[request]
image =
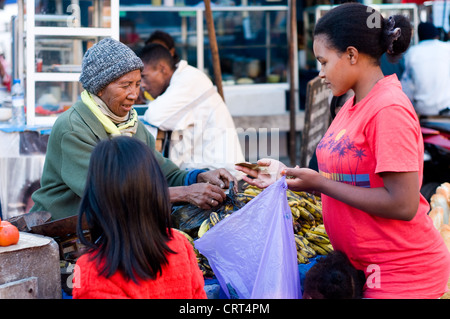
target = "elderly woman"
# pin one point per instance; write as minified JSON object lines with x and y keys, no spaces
{"x":111,"y":77}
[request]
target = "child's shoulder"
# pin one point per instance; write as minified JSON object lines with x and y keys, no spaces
{"x":180,"y":238}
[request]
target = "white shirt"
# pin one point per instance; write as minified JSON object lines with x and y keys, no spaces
{"x":203,"y":131}
{"x":426,"y":80}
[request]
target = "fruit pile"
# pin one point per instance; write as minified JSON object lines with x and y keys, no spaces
{"x":310,"y":236}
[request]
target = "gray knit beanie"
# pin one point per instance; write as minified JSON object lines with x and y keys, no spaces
{"x":105,"y":62}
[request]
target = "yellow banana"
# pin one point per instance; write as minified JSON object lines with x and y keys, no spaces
{"x":303,"y":247}
{"x":295,"y":212}
{"x":327,"y":247}
{"x":318,"y":249}
{"x":305,"y":225}
{"x":311,"y":237}
{"x":305,"y":195}
{"x":252,"y":190}
{"x":229,"y":208}
{"x":214,"y":218}
{"x":318,"y":231}
{"x":318,"y":200}
{"x":305,"y":214}
{"x":296,"y":226}
{"x":298,"y":246}
{"x":293,"y":202}
{"x":204,"y":227}
{"x":244,"y":197}
{"x":302,"y":259}
{"x":304,"y":241}
{"x":307,"y":252}
{"x":299,"y":241}
{"x":313,"y":209}
{"x":292,"y":195}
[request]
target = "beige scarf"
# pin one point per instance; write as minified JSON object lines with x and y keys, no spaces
{"x":113,"y":124}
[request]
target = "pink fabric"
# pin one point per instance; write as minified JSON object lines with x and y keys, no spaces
{"x":402,"y":259}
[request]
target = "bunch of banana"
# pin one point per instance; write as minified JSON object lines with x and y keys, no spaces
{"x":252,"y":190}
{"x":306,"y":206}
{"x":313,"y":242}
{"x":304,"y":226}
{"x":304,"y":251}
{"x":204,"y":227}
{"x":311,"y":197}
{"x":314,"y":209}
{"x":319,"y":230}
{"x":215,"y":217}
{"x":318,"y":240}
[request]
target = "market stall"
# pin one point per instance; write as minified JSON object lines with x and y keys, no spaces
{"x":53,"y":86}
{"x":22,"y":157}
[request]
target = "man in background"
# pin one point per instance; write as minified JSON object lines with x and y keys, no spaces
{"x":187,"y":103}
{"x":426,"y":79}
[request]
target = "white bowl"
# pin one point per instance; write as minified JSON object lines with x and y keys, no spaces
{"x":5,"y":113}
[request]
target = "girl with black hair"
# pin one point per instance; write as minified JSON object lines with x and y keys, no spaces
{"x":133,"y":253}
{"x":333,"y":277}
{"x":371,"y":160}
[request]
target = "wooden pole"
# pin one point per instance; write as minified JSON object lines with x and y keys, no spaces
{"x":292,"y":81}
{"x":214,"y":48}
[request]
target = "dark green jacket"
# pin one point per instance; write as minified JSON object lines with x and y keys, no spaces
{"x":73,"y":137}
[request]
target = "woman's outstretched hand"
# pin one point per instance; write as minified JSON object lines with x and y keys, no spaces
{"x":266,"y":174}
{"x":302,"y":179}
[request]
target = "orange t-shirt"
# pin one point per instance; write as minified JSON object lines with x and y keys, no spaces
{"x":381,"y":133}
{"x":181,"y":278}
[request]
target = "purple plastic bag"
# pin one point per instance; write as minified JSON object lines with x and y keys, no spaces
{"x":252,"y":252}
